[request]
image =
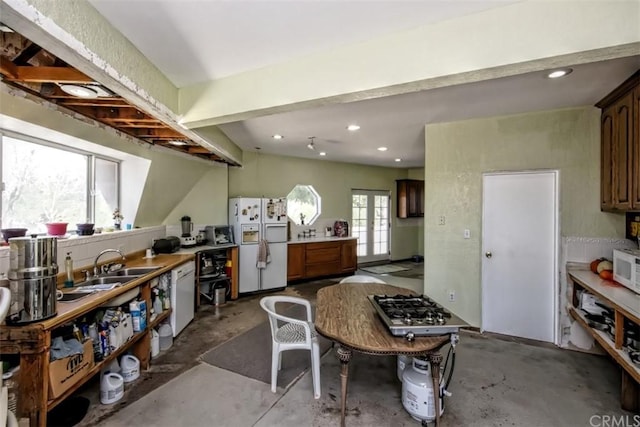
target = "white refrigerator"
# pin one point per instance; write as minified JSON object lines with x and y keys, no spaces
{"x":255,"y":219}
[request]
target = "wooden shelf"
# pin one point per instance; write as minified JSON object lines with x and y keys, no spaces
{"x":607,"y":344}
{"x":162,"y":316}
{"x":98,"y":366}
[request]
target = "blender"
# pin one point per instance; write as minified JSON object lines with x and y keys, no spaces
{"x":186,"y":240}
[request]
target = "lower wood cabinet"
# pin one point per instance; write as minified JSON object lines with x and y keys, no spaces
{"x":295,"y":262}
{"x":317,"y":259}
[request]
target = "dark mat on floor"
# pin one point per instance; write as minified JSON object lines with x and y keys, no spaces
{"x":249,"y":354}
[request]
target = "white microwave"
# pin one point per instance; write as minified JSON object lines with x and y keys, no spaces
{"x":626,"y":268}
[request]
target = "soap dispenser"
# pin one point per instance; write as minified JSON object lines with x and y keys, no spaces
{"x":68,"y":265}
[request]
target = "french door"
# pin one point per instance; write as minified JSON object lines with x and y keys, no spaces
{"x":370,"y":224}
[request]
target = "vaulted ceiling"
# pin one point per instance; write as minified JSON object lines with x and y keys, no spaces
{"x":25,"y":65}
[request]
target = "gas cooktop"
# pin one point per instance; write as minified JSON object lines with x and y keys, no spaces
{"x":415,"y":315}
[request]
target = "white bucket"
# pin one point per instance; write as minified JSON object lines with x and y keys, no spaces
{"x":111,"y":388}
{"x":130,"y":366}
{"x":155,"y":343}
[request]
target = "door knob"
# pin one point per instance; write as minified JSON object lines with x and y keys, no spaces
{"x":488,"y":254}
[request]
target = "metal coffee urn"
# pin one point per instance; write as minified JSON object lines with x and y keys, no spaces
{"x":32,"y":279}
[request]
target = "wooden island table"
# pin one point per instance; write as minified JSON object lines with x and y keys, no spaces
{"x":345,"y":315}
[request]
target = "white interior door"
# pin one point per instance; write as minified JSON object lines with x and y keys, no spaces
{"x":519,"y":254}
{"x":370,"y":224}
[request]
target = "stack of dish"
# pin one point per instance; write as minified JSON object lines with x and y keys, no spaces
{"x":84,"y":229}
{"x":8,"y":233}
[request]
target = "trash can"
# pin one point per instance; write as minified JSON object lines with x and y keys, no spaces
{"x":219,"y":294}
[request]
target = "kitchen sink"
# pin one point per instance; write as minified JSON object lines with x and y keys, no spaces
{"x":106,"y":280}
{"x":132,"y":271}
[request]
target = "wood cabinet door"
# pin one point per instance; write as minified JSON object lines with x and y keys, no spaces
{"x":623,"y":152}
{"x":295,"y":262}
{"x":635,"y":145}
{"x":606,"y":160}
{"x":348,"y":256}
{"x":410,"y":198}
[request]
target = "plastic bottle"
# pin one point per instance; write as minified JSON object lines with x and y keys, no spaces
{"x":68,"y":265}
{"x":228,"y":268}
{"x":134,"y":309}
{"x":157,"y":303}
{"x":142,"y":304}
{"x":77,"y":334}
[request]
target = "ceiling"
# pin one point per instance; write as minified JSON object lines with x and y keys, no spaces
{"x":27,"y":66}
{"x":194,"y":41}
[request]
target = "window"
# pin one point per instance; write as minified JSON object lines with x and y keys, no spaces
{"x":303,"y":205}
{"x":45,"y":182}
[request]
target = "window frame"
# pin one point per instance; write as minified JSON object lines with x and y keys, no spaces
{"x":91,"y":165}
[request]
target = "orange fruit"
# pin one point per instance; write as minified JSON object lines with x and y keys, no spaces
{"x":606,"y":274}
{"x":594,"y":265}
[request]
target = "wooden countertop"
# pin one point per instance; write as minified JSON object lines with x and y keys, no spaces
{"x":70,"y":310}
{"x":295,"y":240}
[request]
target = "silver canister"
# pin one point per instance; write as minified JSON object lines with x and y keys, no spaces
{"x":32,"y":279}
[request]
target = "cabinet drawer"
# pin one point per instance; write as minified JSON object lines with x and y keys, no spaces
{"x":322,"y":254}
{"x":323,"y":269}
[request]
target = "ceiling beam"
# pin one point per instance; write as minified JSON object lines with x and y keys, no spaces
{"x":48,"y":74}
{"x":198,"y":150}
{"x":8,"y":68}
{"x":24,"y":57}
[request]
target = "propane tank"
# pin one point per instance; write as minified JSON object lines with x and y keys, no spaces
{"x":417,"y":391}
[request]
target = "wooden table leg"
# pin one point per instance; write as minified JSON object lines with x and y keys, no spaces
{"x":344,"y":356}
{"x":435,"y":359}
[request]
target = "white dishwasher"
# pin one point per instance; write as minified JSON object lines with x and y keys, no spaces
{"x":183,"y":294}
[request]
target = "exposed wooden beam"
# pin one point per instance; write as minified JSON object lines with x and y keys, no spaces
{"x":7,"y":68}
{"x":49,"y":74}
{"x":106,"y":103}
{"x":24,"y":57}
{"x":198,"y":150}
{"x":156,"y":133}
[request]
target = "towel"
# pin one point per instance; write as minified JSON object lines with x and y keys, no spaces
{"x":264,"y":256}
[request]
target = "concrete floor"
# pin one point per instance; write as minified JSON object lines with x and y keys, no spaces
{"x":497,"y":381}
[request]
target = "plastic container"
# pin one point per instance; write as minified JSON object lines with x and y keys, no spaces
{"x":134,"y":309}
{"x":155,"y":343}
{"x":130,"y":366}
{"x":111,"y":388}
{"x":56,"y":228}
{"x":219,"y":294}
{"x":166,"y":336}
{"x":68,"y":266}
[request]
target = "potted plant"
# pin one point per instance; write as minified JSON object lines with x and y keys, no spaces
{"x":117,"y":219}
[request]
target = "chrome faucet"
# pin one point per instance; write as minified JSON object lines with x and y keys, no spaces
{"x":96,"y":271}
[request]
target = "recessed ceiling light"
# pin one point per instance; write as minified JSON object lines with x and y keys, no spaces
{"x":398,"y":160}
{"x":277,"y":136}
{"x":322,"y":153}
{"x":79,"y":91}
{"x":559,"y":73}
{"x":382,"y":148}
{"x":353,"y":127}
{"x":177,"y":142}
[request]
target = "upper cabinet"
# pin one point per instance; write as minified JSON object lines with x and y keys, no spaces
{"x":410,"y":198}
{"x":620,"y":147}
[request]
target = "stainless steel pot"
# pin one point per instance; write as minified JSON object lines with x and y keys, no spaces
{"x":32,"y":300}
{"x":33,"y":257}
{"x":32,"y":279}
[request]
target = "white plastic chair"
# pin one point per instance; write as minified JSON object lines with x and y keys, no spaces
{"x":288,"y":333}
{"x":362,"y":278}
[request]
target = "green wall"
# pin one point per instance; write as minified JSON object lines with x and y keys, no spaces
{"x":267,"y":175}
{"x":456,"y":156}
